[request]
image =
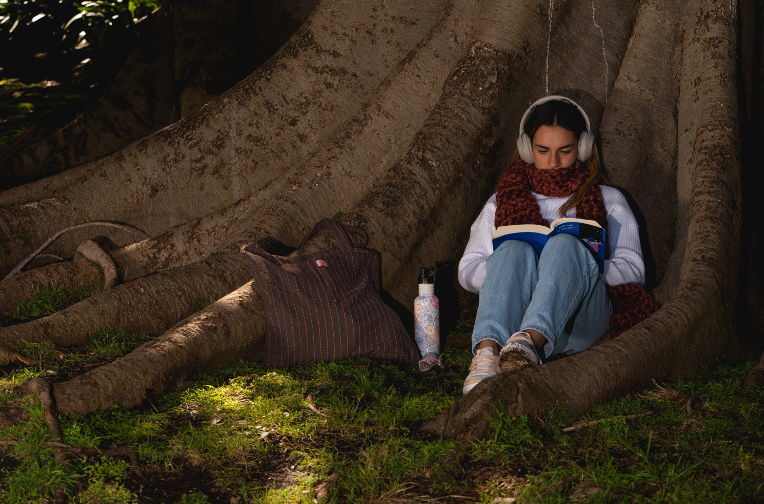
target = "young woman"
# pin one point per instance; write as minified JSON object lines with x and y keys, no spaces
{"x":532,"y":307}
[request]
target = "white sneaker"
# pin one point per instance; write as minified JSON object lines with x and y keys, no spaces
{"x":484,"y":365}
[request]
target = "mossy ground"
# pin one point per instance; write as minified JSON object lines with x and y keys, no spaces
{"x":350,"y":430}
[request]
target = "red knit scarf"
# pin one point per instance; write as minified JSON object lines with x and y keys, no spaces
{"x":516,"y":205}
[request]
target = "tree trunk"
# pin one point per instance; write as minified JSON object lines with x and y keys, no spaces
{"x":398,"y":119}
{"x":697,"y":320}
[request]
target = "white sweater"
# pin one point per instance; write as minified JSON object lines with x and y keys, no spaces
{"x":624,"y":266}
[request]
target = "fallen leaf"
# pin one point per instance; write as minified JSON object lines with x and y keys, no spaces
{"x":584,"y":492}
{"x":323,"y":489}
{"x":312,"y":407}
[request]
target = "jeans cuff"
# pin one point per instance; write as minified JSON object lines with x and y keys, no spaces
{"x":488,"y":337}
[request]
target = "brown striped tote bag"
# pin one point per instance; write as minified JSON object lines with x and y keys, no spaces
{"x":326,"y":305}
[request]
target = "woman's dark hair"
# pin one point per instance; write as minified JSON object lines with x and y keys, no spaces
{"x":555,"y":113}
{"x":566,"y":115}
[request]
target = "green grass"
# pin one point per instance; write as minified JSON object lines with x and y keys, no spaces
{"x":244,"y":421}
{"x":48,"y":300}
{"x":253,"y":434}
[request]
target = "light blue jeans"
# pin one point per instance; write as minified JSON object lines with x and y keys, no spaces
{"x":559,"y":294}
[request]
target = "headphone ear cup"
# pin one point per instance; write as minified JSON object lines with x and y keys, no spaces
{"x":525,"y":148}
{"x":585,"y":146}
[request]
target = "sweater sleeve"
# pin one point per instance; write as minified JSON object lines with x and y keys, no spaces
{"x":626,"y":264}
{"x":480,"y":246}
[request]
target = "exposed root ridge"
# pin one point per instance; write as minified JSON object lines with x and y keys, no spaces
{"x":42,"y":388}
{"x":232,"y":327}
{"x":24,"y":285}
{"x":152,"y":304}
{"x":92,"y":252}
{"x":53,"y":238}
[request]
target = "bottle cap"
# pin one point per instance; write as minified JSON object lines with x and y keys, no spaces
{"x":426,"y":275}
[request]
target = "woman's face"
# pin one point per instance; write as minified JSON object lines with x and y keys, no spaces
{"x":554,"y":147}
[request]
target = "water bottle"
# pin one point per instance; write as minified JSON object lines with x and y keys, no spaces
{"x":427,"y":321}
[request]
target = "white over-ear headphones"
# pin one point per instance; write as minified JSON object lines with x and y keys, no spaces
{"x":585,"y":141}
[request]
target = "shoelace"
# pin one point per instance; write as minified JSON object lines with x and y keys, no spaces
{"x":481,"y":363}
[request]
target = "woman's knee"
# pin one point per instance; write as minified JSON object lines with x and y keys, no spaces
{"x":564,"y":240}
{"x":568,"y":245}
{"x":567,"y":248}
{"x":515,"y":251}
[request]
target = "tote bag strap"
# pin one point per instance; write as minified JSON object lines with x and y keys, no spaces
{"x":256,"y":250}
{"x":338,"y":231}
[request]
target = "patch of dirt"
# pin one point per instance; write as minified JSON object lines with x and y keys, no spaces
{"x":7,"y":463}
{"x":275,"y":471}
{"x":170,"y":487}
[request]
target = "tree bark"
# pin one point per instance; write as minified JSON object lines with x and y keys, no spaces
{"x":398,"y":119}
{"x":696,"y":323}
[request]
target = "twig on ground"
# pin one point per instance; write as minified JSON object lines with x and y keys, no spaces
{"x":323,"y":488}
{"x":312,"y":407}
{"x":21,"y":358}
{"x":595,"y":422}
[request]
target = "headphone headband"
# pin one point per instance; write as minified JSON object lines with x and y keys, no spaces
{"x":585,"y":141}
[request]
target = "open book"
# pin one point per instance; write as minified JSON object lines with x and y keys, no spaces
{"x":588,"y":231}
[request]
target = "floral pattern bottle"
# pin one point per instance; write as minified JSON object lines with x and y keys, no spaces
{"x":427,"y":321}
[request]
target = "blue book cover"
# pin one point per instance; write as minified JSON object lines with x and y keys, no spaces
{"x":588,"y":231}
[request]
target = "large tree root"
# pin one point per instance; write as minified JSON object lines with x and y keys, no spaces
{"x":432,"y":168}
{"x":233,"y":327}
{"x":152,"y":304}
{"x":639,"y":131}
{"x":334,"y":177}
{"x":207,"y":161}
{"x":24,"y":286}
{"x":697,"y":324}
{"x":373,"y":172}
